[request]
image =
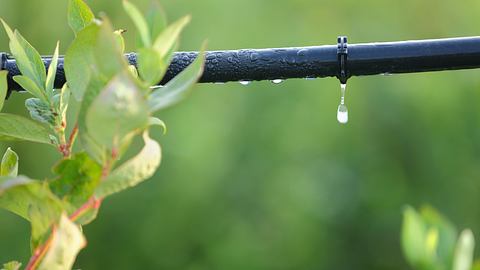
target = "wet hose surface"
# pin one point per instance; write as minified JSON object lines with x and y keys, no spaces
{"x":311,"y":62}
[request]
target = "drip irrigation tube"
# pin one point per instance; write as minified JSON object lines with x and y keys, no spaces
{"x":312,"y":62}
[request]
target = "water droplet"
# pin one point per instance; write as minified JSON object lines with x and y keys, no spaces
{"x":156,"y":87}
{"x":245,"y":82}
{"x":254,"y":57}
{"x":342,"y":112}
{"x":302,"y":52}
{"x":220,"y":83}
{"x":277,"y":81}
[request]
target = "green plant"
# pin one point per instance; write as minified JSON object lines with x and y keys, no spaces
{"x":431,"y":242}
{"x":116,"y":104}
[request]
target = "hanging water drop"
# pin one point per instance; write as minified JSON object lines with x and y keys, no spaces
{"x":342,"y":112}
{"x":245,"y":82}
{"x":277,"y":81}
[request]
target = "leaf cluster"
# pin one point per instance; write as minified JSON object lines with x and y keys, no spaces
{"x":117,"y":102}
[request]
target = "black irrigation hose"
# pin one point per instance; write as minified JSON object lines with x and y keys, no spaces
{"x":313,"y":62}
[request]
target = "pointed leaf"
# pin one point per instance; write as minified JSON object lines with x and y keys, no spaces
{"x":79,"y":15}
{"x":28,"y":59}
{"x":153,"y":121}
{"x":447,"y":234}
{"x":413,"y":235}
{"x":52,"y":71}
{"x":118,"y":110}
{"x":464,"y":251}
{"x":66,"y":243}
{"x":3,"y":87}
{"x":167,"y":39}
{"x":178,"y":88}
{"x":108,"y":56}
{"x":80,"y":60}
{"x":139,"y":21}
{"x":156,"y":19}
{"x":60,"y":101}
{"x":151,"y":66}
{"x":9,"y":166}
{"x":15,"y":127}
{"x":28,"y":85}
{"x":134,"y":171}
{"x":120,"y":39}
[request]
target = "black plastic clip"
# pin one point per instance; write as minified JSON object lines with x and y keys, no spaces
{"x":342,"y":53}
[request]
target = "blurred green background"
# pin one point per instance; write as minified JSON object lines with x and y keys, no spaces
{"x":263,"y":176}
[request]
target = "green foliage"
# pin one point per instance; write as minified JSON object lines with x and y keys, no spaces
{"x":9,"y":165}
{"x":3,"y":87}
{"x":12,"y":266}
{"x":28,"y":59}
{"x":464,"y":251}
{"x":78,"y":177}
{"x":134,"y":171}
{"x":429,"y":241}
{"x":116,"y":105}
{"x":178,"y":88}
{"x":67,"y":240}
{"x":15,"y":127}
{"x":119,"y":109}
{"x":140,"y":22}
{"x":78,"y":59}
{"x":79,"y":15}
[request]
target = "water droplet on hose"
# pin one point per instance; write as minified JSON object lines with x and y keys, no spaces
{"x":277,"y":81}
{"x":245,"y":82}
{"x":342,"y":112}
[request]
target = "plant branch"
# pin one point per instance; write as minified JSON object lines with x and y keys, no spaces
{"x":40,"y":252}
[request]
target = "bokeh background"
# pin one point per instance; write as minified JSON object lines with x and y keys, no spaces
{"x":263,"y":176}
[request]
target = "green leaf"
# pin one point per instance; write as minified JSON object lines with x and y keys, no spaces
{"x":3,"y":87}
{"x":108,"y":56}
{"x":80,"y":60}
{"x":179,"y":87}
{"x":413,"y":235}
{"x":118,"y":110}
{"x":40,"y":111}
{"x":28,"y":85}
{"x":66,"y":243}
{"x":156,"y":19}
{"x":52,"y":71}
{"x":79,"y":15}
{"x":77,"y":179}
{"x":61,"y":101}
{"x":93,"y":148}
{"x":151,"y":66}
{"x":33,"y":201}
{"x":134,"y":171}
{"x":153,"y":121}
{"x":464,"y":251}
{"x":447,"y":235}
{"x":120,"y":39}
{"x":139,"y":21}
{"x":9,"y":166}
{"x":168,"y":38}
{"x":15,"y":127}
{"x":12,"y":266}
{"x":28,"y":59}
{"x":476,"y":265}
